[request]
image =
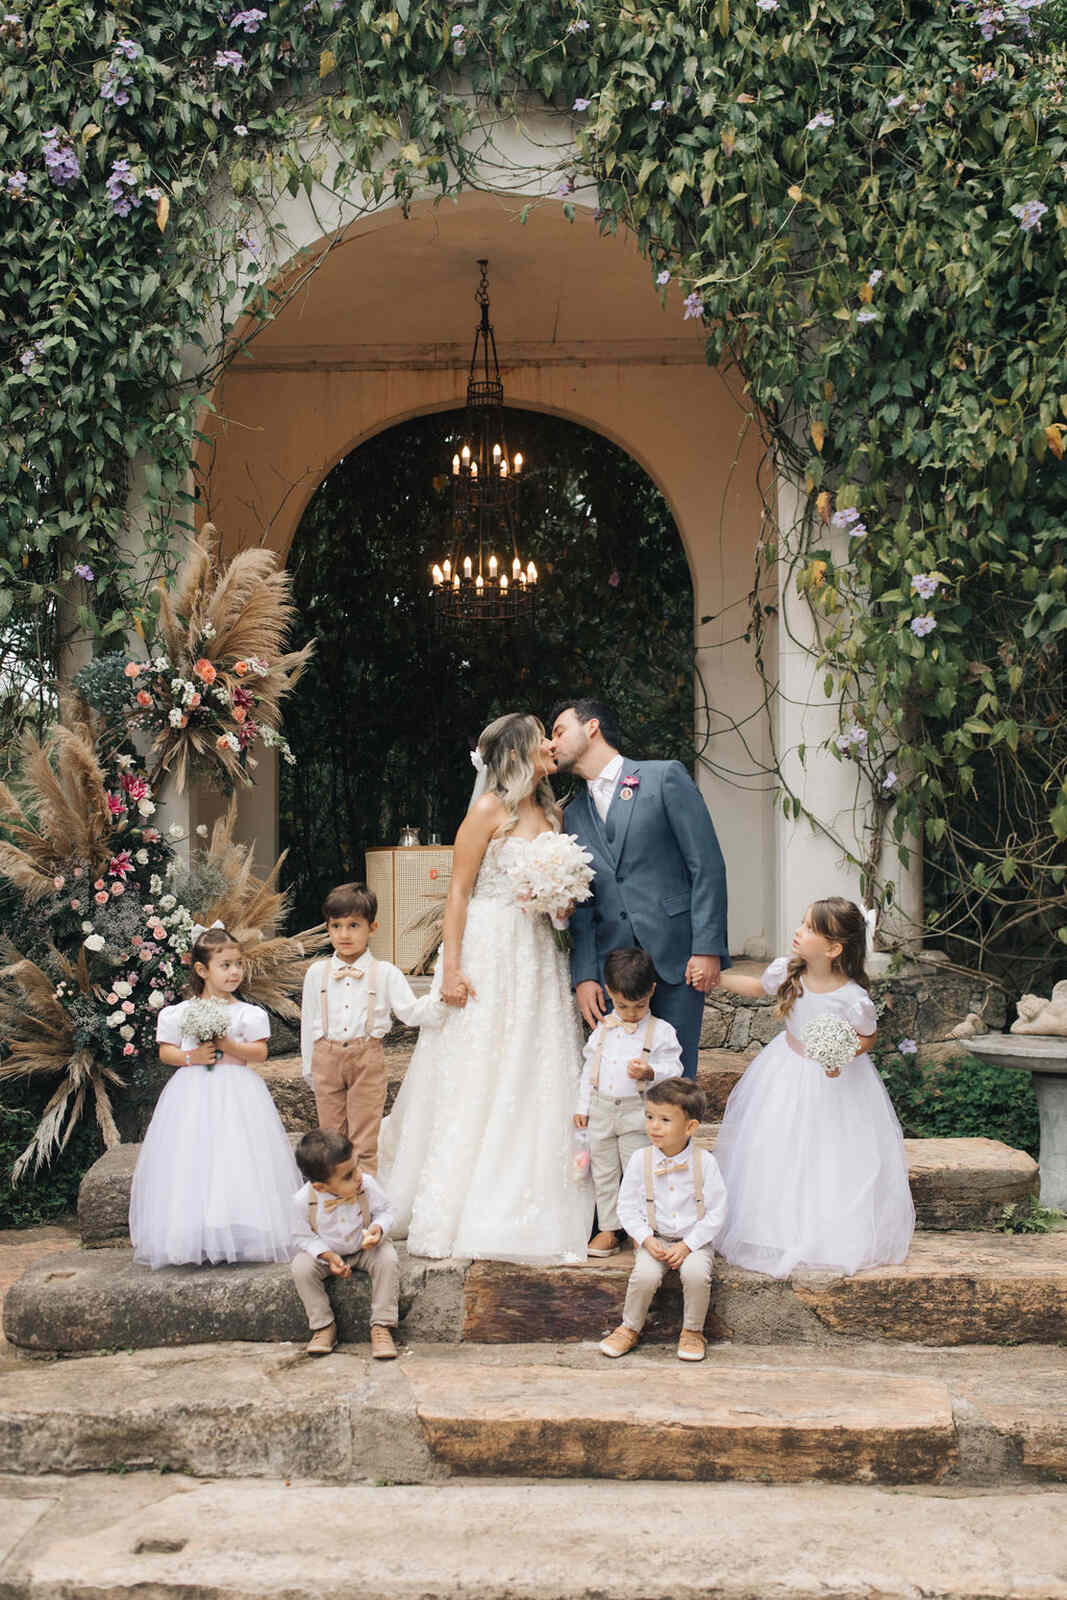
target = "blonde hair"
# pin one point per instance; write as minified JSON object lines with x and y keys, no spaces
{"x":507,"y":746}
{"x":843,"y":923}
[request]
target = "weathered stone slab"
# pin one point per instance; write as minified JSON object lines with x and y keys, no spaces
{"x":721,"y":1423}
{"x":100,"y":1300}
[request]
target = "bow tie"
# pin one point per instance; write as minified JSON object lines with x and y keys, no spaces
{"x":343,"y":971}
{"x":613,"y":1020}
{"x":330,"y":1202}
{"x":671,"y":1166}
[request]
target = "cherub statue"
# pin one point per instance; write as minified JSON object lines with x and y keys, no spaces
{"x":1043,"y":1016}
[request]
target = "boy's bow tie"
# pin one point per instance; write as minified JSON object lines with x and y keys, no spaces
{"x":613,"y":1020}
{"x":345,"y":971}
{"x":671,"y":1166}
{"x":330,"y":1202}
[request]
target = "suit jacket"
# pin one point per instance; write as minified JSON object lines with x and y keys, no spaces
{"x":660,"y":877}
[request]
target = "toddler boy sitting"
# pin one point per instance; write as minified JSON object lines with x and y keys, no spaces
{"x":340,"y":1220}
{"x":672,"y":1204}
{"x":626,"y":1051}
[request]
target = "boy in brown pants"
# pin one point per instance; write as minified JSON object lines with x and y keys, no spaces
{"x":348,"y":1006}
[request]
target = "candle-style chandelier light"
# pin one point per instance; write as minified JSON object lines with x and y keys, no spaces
{"x":482,"y":577}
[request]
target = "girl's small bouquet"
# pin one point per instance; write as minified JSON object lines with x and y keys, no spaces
{"x":205,"y":1020}
{"x":552,"y":876}
{"x":832,"y":1042}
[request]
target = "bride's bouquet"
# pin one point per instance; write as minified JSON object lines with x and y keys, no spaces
{"x":204,"y":1020}
{"x":832,"y":1042}
{"x":552,"y":876}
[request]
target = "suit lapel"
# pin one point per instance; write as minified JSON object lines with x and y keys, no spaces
{"x":620,"y":811}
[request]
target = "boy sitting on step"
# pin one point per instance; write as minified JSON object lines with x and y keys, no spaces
{"x":626,"y":1051}
{"x":672,"y":1203}
{"x":348,"y":1006}
{"x":340,"y":1220}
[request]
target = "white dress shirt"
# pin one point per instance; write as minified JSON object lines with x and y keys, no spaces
{"x":341,"y":1228}
{"x":602,"y":788}
{"x":676,"y":1207}
{"x":620,"y":1048}
{"x":346,"y":1002}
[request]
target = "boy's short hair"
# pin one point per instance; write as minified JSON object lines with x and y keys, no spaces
{"x":630,"y":973}
{"x":320,"y":1151}
{"x":678,"y":1092}
{"x":350,"y":900}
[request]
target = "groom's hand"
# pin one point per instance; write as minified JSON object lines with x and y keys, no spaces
{"x":702,"y":972}
{"x":590,"y":998}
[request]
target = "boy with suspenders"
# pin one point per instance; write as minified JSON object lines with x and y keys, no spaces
{"x":348,"y":1006}
{"x":672,"y":1204}
{"x":626,"y":1052}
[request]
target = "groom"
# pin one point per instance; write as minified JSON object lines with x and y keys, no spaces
{"x":660,"y":878}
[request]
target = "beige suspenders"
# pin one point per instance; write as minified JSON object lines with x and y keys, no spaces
{"x":646,"y":1050}
{"x":372,"y":979}
{"x":698,"y":1186}
{"x":313,"y":1209}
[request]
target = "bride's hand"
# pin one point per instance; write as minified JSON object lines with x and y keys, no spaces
{"x":456,"y":990}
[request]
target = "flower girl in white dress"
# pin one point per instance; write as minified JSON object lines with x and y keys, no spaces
{"x":216,"y":1170}
{"x":813,"y":1159}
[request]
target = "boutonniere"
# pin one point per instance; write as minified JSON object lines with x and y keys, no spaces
{"x":630,"y":787}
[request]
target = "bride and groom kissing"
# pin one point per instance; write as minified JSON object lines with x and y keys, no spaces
{"x":476,"y":1156}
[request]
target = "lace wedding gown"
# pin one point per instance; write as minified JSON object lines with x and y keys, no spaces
{"x":476,"y":1156}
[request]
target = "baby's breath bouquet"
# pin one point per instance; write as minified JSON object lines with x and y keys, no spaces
{"x":205,"y":1020}
{"x":832,"y":1042}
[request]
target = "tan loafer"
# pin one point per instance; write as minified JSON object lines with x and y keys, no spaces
{"x":619,"y":1343}
{"x":382,"y":1347}
{"x":604,"y":1243}
{"x":322,"y":1340}
{"x":692,"y":1346}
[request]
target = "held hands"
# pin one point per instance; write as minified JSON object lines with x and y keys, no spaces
{"x":337,"y":1264}
{"x":656,"y":1249}
{"x":371,"y":1237}
{"x":580,"y":1121}
{"x":456,"y":989}
{"x":637,"y":1070}
{"x":590,"y":998}
{"x":702,"y":972}
{"x":676,"y":1254}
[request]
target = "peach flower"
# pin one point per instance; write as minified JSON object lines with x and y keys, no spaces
{"x":240,"y":667}
{"x":133,"y":669}
{"x":143,"y":697}
{"x":204,"y":670}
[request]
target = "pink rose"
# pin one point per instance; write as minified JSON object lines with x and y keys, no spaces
{"x":133,"y":669}
{"x":129,"y":1007}
{"x":57,"y":883}
{"x":127,"y":1049}
{"x":99,"y":884}
{"x":79,"y":872}
{"x":112,"y":999}
{"x":101,"y":897}
{"x":117,"y":889}
{"x":75,"y":905}
{"x":144,"y":699}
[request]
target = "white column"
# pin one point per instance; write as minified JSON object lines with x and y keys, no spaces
{"x":813,"y":855}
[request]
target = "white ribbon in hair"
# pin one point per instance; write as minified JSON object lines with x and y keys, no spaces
{"x":476,"y":761}
{"x":870,"y":917}
{"x":198,"y":928}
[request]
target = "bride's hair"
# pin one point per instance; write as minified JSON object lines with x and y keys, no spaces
{"x":508,"y":746}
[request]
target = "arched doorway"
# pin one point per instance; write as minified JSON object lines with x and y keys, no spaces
{"x":381,"y":722}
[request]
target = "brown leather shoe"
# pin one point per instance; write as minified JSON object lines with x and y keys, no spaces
{"x":692,"y":1346}
{"x":604,"y":1243}
{"x":382,"y":1347}
{"x":322,"y":1340}
{"x":619,"y":1343}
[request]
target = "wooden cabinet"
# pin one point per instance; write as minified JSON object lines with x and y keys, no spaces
{"x":409,"y":882}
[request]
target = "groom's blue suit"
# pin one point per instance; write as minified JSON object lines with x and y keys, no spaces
{"x":660,"y":883}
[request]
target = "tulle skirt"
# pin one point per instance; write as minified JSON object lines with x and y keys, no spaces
{"x":815,"y":1169}
{"x":476,"y":1156}
{"x":216,"y":1175}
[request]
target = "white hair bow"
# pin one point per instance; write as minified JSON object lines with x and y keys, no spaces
{"x":477,"y":761}
{"x":198,"y":928}
{"x":870,"y":917}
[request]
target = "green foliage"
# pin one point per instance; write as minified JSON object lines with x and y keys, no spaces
{"x":831,"y":185}
{"x":963,"y":1099}
{"x":1030,"y":1217}
{"x":614,"y":618}
{"x":52,"y":1193}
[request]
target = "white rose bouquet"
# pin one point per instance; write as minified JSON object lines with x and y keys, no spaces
{"x":204,"y":1020}
{"x":552,"y":875}
{"x":832,"y":1042}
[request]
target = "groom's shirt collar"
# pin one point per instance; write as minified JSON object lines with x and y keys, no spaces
{"x":602,"y":787}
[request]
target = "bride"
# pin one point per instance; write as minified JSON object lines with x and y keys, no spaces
{"x":476,"y":1156}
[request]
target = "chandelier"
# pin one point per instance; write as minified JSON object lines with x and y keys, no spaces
{"x":473,"y":583}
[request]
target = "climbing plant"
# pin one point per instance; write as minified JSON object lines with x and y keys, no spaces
{"x":865,"y":204}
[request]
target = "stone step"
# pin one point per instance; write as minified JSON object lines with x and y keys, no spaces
{"x":954,"y":1288}
{"x":745,"y":1415}
{"x":955,"y":1183}
{"x":143,"y":1536}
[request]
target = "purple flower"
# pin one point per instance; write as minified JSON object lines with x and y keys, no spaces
{"x":249,"y":242}
{"x":694,"y":306}
{"x":458,"y":30}
{"x":240,"y":130}
{"x":875,"y":278}
{"x":845,"y":517}
{"x":821,"y":119}
{"x":854,"y":734}
{"x":663,"y":277}
{"x":907,"y":1047}
{"x":119,"y":184}
{"x":615,"y":578}
{"x":921,"y":626}
{"x":857,"y":530}
{"x":766,"y":5}
{"x":232,"y":59}
{"x":579,"y":25}
{"x":83,"y":570}
{"x":897,"y":100}
{"x":925,"y":584}
{"x":564,"y":188}
{"x":59,"y":158}
{"x":890,"y":781}
{"x":128,"y":48}
{"x":1029,"y":213}
{"x":28,"y":358}
{"x":866,"y":315}
{"x":657,"y":105}
{"x":17,"y":184}
{"x":581,"y":104}
{"x":248,"y":20}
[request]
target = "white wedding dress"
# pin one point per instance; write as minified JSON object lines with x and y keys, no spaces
{"x":477,"y":1155}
